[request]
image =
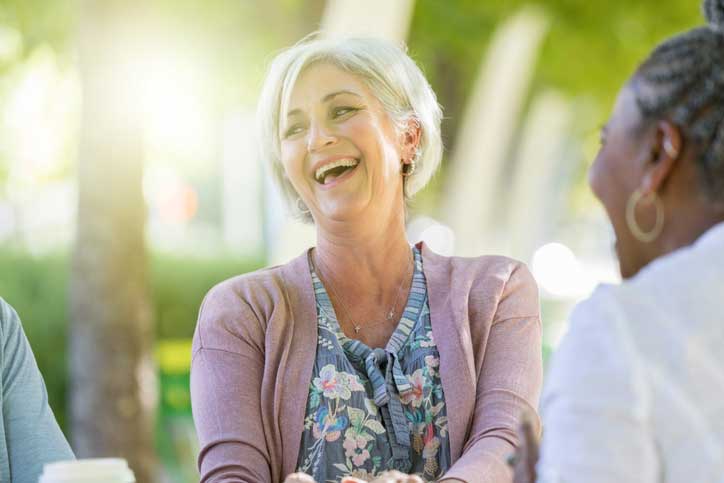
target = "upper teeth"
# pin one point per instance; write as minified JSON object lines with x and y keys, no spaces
{"x":322,"y":170}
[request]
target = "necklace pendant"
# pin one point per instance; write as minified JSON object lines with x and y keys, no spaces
{"x":357,"y":329}
{"x":390,"y":314}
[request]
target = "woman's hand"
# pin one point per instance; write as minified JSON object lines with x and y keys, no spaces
{"x":525,"y":458}
{"x":388,"y":477}
{"x":299,"y":478}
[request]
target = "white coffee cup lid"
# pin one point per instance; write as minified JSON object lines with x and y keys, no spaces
{"x":99,"y":470}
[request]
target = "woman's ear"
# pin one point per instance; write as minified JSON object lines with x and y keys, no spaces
{"x":410,"y":141}
{"x":666,"y":153}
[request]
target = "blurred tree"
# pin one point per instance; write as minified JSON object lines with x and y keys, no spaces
{"x":591,"y":50}
{"x":113,"y":380}
{"x":40,"y":22}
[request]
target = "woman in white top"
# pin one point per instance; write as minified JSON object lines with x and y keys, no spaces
{"x":635,"y":393}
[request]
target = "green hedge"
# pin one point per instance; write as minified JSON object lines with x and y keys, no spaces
{"x":37,"y":287}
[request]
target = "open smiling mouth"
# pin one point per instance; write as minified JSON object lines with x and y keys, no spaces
{"x":329,"y":172}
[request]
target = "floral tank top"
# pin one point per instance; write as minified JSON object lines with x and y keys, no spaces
{"x":373,"y":410}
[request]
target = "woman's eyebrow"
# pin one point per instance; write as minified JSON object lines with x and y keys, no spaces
{"x":326,"y":98}
{"x":334,"y":94}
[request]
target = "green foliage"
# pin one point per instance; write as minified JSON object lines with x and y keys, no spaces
{"x":178,"y":286}
{"x":37,"y":287}
{"x":591,"y":49}
{"x":39,"y":21}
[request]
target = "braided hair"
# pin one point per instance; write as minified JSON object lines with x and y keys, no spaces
{"x":683,"y":81}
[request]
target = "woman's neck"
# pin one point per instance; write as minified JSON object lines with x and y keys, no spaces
{"x":691,"y":223}
{"x":366,"y":258}
{"x":689,"y":230}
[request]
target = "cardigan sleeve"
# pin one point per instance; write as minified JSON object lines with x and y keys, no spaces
{"x":508,"y":384}
{"x":31,"y":433}
{"x":595,"y":405}
{"x":226,"y":377}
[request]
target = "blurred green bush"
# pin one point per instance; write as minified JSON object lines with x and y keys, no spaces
{"x":37,"y":287}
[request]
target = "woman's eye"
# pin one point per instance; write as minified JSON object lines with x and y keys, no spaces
{"x":295,"y":129}
{"x":341,"y":111}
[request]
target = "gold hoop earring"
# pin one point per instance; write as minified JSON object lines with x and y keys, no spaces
{"x":633,"y":226}
{"x":301,"y":206}
{"x":408,"y":169}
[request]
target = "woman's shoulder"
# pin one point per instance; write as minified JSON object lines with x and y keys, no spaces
{"x":487,"y":280}
{"x":262,"y":287}
{"x":246,"y":287}
{"x":9,"y":320}
{"x":596,"y":369}
{"x":242,"y":305}
{"x":481,"y":268}
{"x":597,"y":338}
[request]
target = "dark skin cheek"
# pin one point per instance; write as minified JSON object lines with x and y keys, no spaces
{"x":610,"y":177}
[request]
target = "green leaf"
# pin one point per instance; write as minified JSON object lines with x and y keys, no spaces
{"x":371,"y":406}
{"x":314,"y":400}
{"x":356,"y":416}
{"x":375,"y":426}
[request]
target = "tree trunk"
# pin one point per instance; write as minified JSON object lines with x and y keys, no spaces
{"x":113,"y":380}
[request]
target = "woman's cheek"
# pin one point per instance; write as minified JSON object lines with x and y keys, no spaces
{"x":292,"y":157}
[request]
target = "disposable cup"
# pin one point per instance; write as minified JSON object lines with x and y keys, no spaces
{"x":99,"y":470}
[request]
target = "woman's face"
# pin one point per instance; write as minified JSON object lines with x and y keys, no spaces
{"x":616,"y":173}
{"x":339,"y":147}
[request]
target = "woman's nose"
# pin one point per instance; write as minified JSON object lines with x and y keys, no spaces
{"x":319,"y":137}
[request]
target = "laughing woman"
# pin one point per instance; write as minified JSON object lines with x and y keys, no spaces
{"x":364,"y":354}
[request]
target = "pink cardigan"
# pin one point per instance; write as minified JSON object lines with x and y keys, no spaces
{"x":255,"y":345}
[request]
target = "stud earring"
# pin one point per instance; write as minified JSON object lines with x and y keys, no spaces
{"x":669,"y":149}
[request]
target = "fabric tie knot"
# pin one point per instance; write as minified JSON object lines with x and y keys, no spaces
{"x":377,"y":363}
{"x":388,"y":384}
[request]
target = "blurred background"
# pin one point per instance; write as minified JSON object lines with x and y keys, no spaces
{"x":129,"y":184}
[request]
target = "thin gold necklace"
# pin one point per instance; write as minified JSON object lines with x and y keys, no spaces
{"x":357,"y":328}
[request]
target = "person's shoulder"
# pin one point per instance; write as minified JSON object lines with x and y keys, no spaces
{"x":229,"y":313}
{"x":251,"y":295}
{"x":599,"y":331}
{"x":246,"y":287}
{"x":598,"y":308}
{"x":8,"y":318}
{"x":11,"y":329}
{"x":483,"y":267}
{"x":687,"y":270}
{"x":596,"y":354}
{"x":504,"y":276}
{"x":242,"y":305}
{"x":497,"y":266}
{"x":487,"y":281}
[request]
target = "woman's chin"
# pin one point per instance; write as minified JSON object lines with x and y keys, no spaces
{"x":342,"y":210}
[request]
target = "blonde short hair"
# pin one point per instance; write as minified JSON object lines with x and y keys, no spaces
{"x":392,"y":76}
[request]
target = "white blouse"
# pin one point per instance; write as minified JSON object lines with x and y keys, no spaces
{"x":635,"y":392}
